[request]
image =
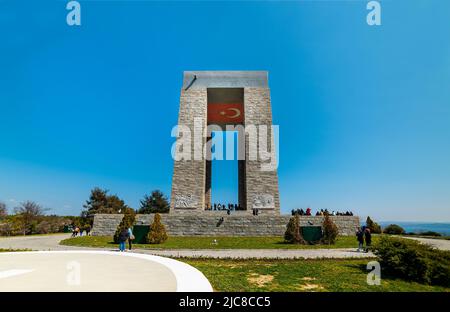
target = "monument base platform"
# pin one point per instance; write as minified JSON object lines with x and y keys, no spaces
{"x":209,"y":224}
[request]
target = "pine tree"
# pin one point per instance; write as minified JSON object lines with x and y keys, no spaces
{"x":100,"y":202}
{"x":374,"y":227}
{"x":157,"y":233}
{"x":156,"y":202}
{"x":127,"y":222}
{"x":330,"y":231}
{"x":293,"y":234}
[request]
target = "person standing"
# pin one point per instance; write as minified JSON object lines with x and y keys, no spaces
{"x":360,"y":239}
{"x":368,"y":238}
{"x":123,"y":236}
{"x":130,"y":238}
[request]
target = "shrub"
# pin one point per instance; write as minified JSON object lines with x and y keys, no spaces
{"x":330,"y":231}
{"x":394,"y":229}
{"x":413,"y":261}
{"x":43,"y":227}
{"x":126,"y":223}
{"x":293,"y":234}
{"x":374,"y":227}
{"x":430,"y":233}
{"x":157,"y":233}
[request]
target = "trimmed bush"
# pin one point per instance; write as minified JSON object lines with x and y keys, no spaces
{"x":127,"y":222}
{"x":293,"y":234}
{"x":394,"y":229}
{"x":374,"y":227}
{"x":157,"y":233}
{"x":330,"y":231}
{"x":413,"y":261}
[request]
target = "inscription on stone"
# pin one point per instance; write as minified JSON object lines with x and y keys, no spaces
{"x":263,"y":201}
{"x":185,"y":201}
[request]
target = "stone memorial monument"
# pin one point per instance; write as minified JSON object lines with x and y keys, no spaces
{"x":226,"y":98}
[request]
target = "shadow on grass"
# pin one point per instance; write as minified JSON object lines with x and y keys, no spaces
{"x":384,"y":275}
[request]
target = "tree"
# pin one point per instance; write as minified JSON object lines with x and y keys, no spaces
{"x":374,"y":227}
{"x":330,"y":231}
{"x":96,"y":203}
{"x":100,"y":202}
{"x":3,"y":210}
{"x":293,"y":234}
{"x":157,"y":233}
{"x":128,"y":220}
{"x":157,"y":202}
{"x":29,"y":214}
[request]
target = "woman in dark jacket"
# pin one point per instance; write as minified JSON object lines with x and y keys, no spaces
{"x":368,"y":238}
{"x":123,"y":237}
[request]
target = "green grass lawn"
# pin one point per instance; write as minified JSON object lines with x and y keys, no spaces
{"x":297,"y":275}
{"x":197,"y":242}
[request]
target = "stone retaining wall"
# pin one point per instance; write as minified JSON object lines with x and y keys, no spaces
{"x":236,"y":224}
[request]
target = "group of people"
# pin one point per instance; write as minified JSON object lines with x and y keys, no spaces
{"x":78,"y":231}
{"x":223,"y":207}
{"x":321,"y":212}
{"x":124,"y":236}
{"x":363,"y":235}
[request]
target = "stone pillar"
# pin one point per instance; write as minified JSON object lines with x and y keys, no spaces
{"x":261,"y":185}
{"x":188,"y":180}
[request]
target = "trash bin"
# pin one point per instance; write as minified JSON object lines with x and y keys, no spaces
{"x":140,"y":232}
{"x":311,"y":233}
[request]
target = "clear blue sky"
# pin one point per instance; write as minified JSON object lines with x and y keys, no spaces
{"x":364,"y":112}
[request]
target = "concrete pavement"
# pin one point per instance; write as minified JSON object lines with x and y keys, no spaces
{"x":51,"y":242}
{"x":89,"y":271}
{"x":441,"y":244}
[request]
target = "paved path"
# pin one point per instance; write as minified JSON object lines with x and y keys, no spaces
{"x":37,"y":242}
{"x":442,"y":244}
{"x":96,"y":271}
{"x":51,"y":242}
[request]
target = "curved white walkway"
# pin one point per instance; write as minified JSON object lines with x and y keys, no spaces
{"x":96,"y":271}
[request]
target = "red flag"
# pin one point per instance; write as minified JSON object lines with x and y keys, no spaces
{"x":227,"y":113}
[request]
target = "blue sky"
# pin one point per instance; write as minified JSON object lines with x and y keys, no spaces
{"x":364,"y":112}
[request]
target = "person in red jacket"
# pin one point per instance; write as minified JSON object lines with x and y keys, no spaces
{"x":308,"y":211}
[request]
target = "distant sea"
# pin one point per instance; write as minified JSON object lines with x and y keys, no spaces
{"x":418,"y":227}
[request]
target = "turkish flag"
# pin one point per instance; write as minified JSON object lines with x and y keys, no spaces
{"x":226,"y":113}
